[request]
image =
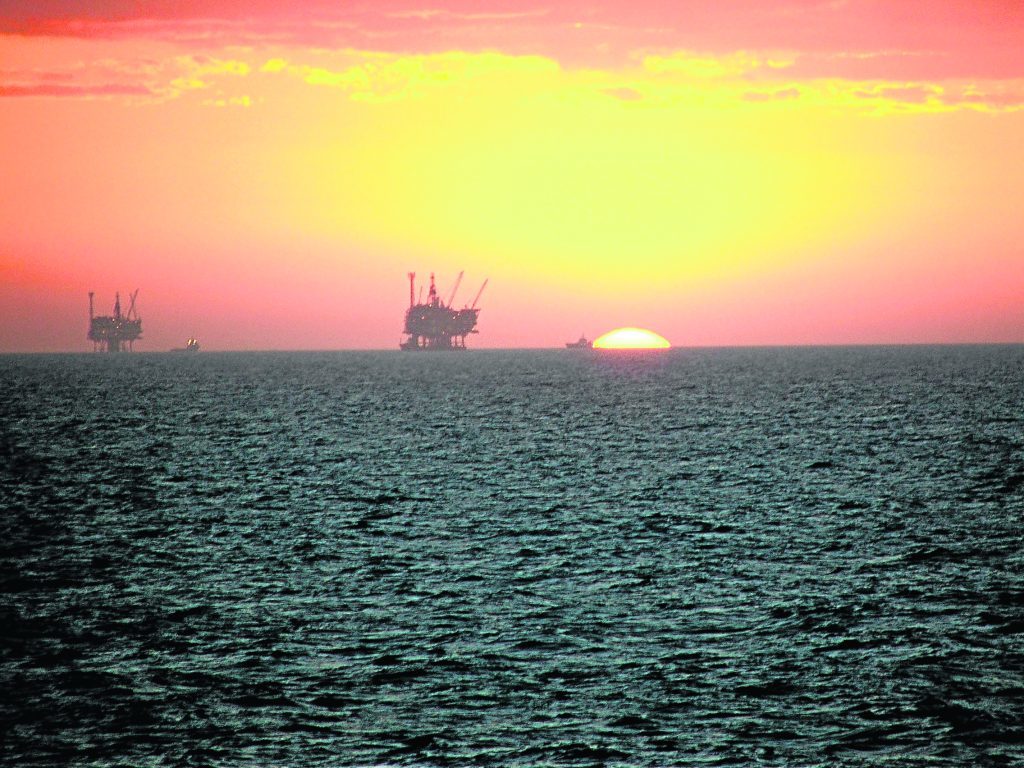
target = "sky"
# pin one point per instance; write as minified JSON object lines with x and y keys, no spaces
{"x":724,"y":173}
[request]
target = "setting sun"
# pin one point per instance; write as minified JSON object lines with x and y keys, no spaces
{"x":631,"y":338}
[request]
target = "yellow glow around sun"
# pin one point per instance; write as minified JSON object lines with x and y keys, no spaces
{"x":631,"y":338}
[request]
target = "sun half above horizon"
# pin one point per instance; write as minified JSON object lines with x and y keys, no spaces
{"x":631,"y":338}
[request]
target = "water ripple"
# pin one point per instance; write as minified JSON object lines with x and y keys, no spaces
{"x":722,"y":557}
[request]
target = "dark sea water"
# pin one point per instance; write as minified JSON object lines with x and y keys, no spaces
{"x":702,"y":557}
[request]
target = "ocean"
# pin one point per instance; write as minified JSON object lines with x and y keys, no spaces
{"x":774,"y":556}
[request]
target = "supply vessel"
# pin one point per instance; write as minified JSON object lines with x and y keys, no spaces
{"x":435,"y":325}
{"x":192,"y":345}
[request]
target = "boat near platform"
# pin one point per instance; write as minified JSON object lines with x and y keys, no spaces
{"x":190,"y":346}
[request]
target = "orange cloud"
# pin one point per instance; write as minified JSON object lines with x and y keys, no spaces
{"x":78,"y":91}
{"x":912,"y":40}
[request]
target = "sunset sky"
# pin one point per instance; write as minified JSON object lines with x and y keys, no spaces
{"x":749,"y":172}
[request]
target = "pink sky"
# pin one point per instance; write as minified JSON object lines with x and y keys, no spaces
{"x":770,"y":172}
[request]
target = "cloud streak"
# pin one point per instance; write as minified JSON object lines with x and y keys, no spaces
{"x":74,"y":91}
{"x":851,"y":56}
{"x":912,"y":40}
{"x":672,"y":80}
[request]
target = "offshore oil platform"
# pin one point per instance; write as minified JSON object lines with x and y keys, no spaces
{"x":435,"y":325}
{"x":116,"y":332}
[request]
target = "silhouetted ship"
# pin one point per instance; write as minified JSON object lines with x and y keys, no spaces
{"x":434,"y":325}
{"x":580,"y":343}
{"x":190,"y":346}
{"x":116,"y":332}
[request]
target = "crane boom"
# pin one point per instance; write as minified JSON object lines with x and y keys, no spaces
{"x":131,"y":304}
{"x":455,"y":290}
{"x":479,"y":294}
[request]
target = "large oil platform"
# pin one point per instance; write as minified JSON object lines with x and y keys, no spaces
{"x":117,"y":332}
{"x":435,"y":325}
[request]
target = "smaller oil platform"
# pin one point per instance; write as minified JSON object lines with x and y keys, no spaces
{"x":434,"y":325}
{"x":116,"y":332}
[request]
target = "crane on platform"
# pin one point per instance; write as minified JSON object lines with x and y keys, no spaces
{"x":455,"y":289}
{"x":479,"y":294}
